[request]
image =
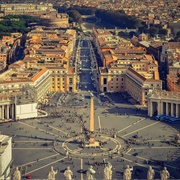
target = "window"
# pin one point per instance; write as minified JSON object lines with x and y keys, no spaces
{"x":71,"y":80}
{"x":105,"y":81}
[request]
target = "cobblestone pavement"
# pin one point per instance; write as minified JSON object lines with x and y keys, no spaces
{"x":125,"y":140}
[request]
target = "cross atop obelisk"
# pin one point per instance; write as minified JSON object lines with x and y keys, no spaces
{"x":91,"y":128}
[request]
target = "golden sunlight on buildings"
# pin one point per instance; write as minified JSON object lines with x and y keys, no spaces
{"x":125,"y":67}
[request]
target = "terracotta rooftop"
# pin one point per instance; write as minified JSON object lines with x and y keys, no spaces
{"x":137,"y":74}
{"x":39,"y":74}
{"x":71,"y":70}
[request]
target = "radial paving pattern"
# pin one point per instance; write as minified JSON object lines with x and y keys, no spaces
{"x":136,"y":141}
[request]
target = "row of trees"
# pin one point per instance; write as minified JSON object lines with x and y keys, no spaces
{"x":75,"y":16}
{"x":113,"y":19}
{"x":152,"y":30}
{"x":15,"y":23}
{"x":117,"y":18}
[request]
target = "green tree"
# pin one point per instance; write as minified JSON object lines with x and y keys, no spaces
{"x":162,"y":32}
{"x":75,"y":15}
{"x":153,"y":31}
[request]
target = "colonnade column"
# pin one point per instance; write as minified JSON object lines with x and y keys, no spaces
{"x":150,"y":108}
{"x":159,"y":108}
{"x":12,"y":111}
{"x":177,"y":110}
{"x":167,"y":112}
{"x":7,"y":112}
{"x":172,"y":109}
{"x":162,"y":108}
{"x":2,"y":112}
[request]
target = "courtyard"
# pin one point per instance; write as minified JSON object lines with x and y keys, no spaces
{"x":126,"y":139}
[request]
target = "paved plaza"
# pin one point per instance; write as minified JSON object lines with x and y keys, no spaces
{"x":131,"y":140}
{"x":125,"y":134}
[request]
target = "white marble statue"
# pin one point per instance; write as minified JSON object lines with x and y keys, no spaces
{"x":67,"y":153}
{"x":51,"y":174}
{"x":127,"y":173}
{"x":164,"y":174}
{"x":150,"y":173}
{"x":90,"y":173}
{"x":17,"y":174}
{"x":108,"y":172}
{"x":68,"y":174}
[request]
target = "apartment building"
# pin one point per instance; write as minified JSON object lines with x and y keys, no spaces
{"x":120,"y":79}
{"x":138,"y":85}
{"x":173,"y":77}
{"x":126,"y":67}
{"x":52,"y":49}
{"x":112,"y":79}
{"x":4,"y":49}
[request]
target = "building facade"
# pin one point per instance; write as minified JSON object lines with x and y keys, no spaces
{"x":25,"y":8}
{"x":123,"y":79}
{"x":164,"y":102}
{"x":18,"y":103}
{"x":38,"y":79}
{"x":125,"y":67}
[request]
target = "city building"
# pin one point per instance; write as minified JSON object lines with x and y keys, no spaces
{"x":39,"y":79}
{"x":47,"y":67}
{"x":163,"y":102}
{"x":52,"y":49}
{"x":8,"y":47}
{"x":25,"y":8}
{"x":120,"y":79}
{"x":59,"y":20}
{"x":5,"y":156}
{"x":21,"y":90}
{"x":125,"y":67}
{"x":18,"y":103}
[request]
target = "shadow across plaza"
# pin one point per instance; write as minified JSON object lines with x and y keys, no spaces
{"x":36,"y":137}
{"x":126,"y":111}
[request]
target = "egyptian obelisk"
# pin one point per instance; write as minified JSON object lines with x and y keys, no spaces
{"x":91,"y":139}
